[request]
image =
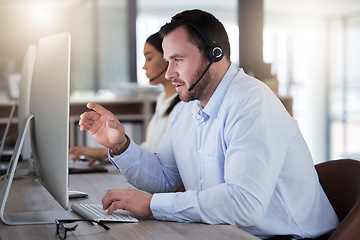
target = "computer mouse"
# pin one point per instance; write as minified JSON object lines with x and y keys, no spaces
{"x":77,"y":194}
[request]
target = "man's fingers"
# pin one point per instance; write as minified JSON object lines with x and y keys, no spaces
{"x":88,"y":117}
{"x":129,"y":199}
{"x":116,"y":205}
{"x":108,"y":198}
{"x":100,"y":111}
{"x":85,"y":127}
{"x":97,"y":108}
{"x":113,"y":199}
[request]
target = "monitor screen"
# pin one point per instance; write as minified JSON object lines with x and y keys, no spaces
{"x":23,"y":106}
{"x":48,"y":122}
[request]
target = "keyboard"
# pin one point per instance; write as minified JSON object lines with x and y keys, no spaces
{"x":81,"y":166}
{"x":96,"y":212}
{"x":78,"y":164}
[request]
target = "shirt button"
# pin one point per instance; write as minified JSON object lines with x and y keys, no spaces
{"x":200,"y":150}
{"x":203,"y":122}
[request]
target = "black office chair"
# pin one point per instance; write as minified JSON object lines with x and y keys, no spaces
{"x":340,"y":180}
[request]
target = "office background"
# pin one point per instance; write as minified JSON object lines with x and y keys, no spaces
{"x":310,"y":47}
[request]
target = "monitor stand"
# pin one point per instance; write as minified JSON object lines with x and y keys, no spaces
{"x":23,"y":218}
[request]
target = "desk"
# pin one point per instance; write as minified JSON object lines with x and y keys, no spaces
{"x":28,"y":195}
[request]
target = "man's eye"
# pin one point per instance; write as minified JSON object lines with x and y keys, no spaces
{"x":178,"y":59}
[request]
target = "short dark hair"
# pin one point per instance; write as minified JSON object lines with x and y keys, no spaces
{"x":208,"y":24}
{"x":156,"y":41}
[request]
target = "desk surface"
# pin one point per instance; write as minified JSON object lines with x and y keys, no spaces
{"x":27,"y":195}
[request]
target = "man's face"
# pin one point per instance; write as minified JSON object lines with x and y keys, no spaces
{"x":186,"y":64}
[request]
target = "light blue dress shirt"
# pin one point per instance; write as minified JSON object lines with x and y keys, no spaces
{"x":242,"y":160}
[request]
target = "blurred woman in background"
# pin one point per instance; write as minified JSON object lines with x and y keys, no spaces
{"x":159,"y":124}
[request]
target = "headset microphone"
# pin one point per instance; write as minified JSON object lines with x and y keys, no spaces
{"x":206,"y":69}
{"x":157,"y":76}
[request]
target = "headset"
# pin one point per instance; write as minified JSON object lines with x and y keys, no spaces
{"x":213,"y":52}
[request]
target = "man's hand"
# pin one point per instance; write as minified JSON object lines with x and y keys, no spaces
{"x":103,"y":126}
{"x":129,"y":199}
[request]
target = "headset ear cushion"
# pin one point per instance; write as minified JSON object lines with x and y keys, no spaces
{"x":214,"y":52}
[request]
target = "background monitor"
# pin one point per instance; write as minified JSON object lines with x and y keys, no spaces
{"x":48,"y":121}
{"x":23,"y":106}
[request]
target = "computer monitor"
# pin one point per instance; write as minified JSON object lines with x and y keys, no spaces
{"x":48,"y":122}
{"x":23,"y":105}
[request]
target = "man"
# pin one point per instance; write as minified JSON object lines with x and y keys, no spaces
{"x":239,"y":154}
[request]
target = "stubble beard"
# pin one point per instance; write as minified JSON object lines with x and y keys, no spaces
{"x":198,"y":91}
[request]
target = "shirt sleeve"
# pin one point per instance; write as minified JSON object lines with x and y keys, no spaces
{"x":144,"y":170}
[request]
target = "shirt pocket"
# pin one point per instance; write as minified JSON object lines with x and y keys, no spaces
{"x":212,"y":169}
